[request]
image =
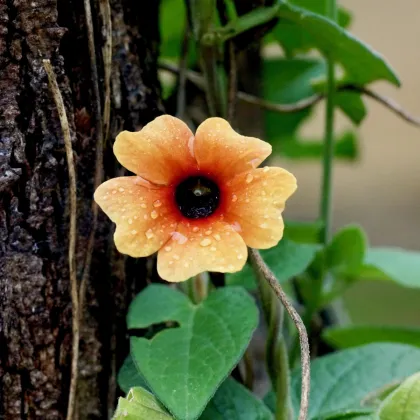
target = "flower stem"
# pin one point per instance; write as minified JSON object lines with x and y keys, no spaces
{"x":326,"y":199}
{"x":262,"y":270}
{"x":276,"y":350}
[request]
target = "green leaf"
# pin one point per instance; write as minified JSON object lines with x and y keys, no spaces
{"x":184,"y":366}
{"x":352,"y":105}
{"x":394,"y":264}
{"x":360,"y":414}
{"x":345,"y":147}
{"x":140,"y":405}
{"x":287,"y":81}
{"x":341,"y":380}
{"x":403,"y":403}
{"x":293,"y":39}
{"x":347,"y":248}
{"x":303,"y":232}
{"x":361,"y":64}
{"x":358,"y":335}
{"x":233,"y":401}
{"x":129,"y":377}
{"x":286,"y":260}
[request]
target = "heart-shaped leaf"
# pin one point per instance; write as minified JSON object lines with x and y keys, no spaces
{"x":129,"y":377}
{"x":342,"y":380}
{"x":233,"y":401}
{"x":362,"y":64}
{"x":403,"y":403}
{"x":140,"y":405}
{"x":184,"y":366}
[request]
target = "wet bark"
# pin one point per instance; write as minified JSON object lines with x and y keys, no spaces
{"x":35,"y":307}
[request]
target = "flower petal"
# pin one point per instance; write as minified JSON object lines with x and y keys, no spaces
{"x":142,"y":212}
{"x":159,"y":152}
{"x":220,"y":149}
{"x":255,"y":201}
{"x":195,"y":248}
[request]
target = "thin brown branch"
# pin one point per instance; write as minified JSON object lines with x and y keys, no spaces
{"x":99,"y":150}
{"x":182,"y":74}
{"x":263,"y":269}
{"x":105,"y":9}
{"x":389,"y":103}
{"x":58,"y":99}
{"x":233,"y":82}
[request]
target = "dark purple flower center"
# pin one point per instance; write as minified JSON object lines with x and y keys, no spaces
{"x":197,"y":197}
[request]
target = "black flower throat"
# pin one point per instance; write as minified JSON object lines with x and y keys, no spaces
{"x":197,"y":197}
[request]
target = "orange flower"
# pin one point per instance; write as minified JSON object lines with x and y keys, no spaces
{"x":198,"y":201}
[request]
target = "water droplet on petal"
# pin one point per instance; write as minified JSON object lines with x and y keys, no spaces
{"x":213,"y":248}
{"x":205,"y":242}
{"x":143,"y":205}
{"x":121,"y":189}
{"x":191,"y":146}
{"x":168,"y":248}
{"x":207,"y":232}
{"x":217,"y":237}
{"x":149,"y":234}
{"x":114,"y":191}
{"x":249,"y":178}
{"x":231,"y":267}
{"x":154,"y":214}
{"x":263,"y":225}
{"x":195,"y":229}
{"x":236,"y":226}
{"x":175,"y":257}
{"x":186,"y":265}
{"x":266,"y":169}
{"x":157,"y":203}
{"x":133,"y":232}
{"x":146,"y":217}
{"x":234,"y":197}
{"x":179,"y":237}
{"x":130,"y":221}
{"x":240,"y":257}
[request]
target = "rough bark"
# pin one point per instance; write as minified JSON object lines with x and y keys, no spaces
{"x":35,"y":308}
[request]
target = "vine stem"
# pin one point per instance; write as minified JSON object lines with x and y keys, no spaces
{"x":326,"y":198}
{"x":262,"y":269}
{"x":59,"y":103}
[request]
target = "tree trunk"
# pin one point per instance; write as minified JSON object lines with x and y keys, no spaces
{"x":35,"y":305}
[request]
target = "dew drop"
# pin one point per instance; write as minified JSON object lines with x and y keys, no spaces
{"x":186,"y":265}
{"x":240,"y":257}
{"x":133,"y":232}
{"x":247,"y":200}
{"x":195,"y":229}
{"x":179,"y":237}
{"x":130,"y":221}
{"x":234,"y":197}
{"x":217,"y":237}
{"x":114,"y":191}
{"x":168,"y":248}
{"x":121,"y":189}
{"x":154,"y":214}
{"x":213,"y":248}
{"x":236,"y":226}
{"x":157,"y":203}
{"x":266,"y":169}
{"x":191,"y":146}
{"x":143,"y":205}
{"x":175,"y":257}
{"x":205,"y":242}
{"x":207,"y":232}
{"x":263,"y":225}
{"x":146,"y":217}
{"x":249,"y":178}
{"x":149,"y":234}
